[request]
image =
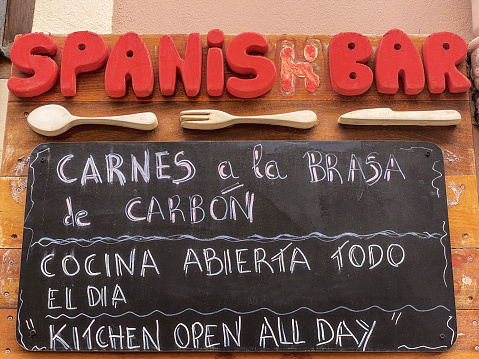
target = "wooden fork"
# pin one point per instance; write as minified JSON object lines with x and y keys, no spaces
{"x":214,"y":119}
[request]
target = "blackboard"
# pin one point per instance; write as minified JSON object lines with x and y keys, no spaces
{"x":236,"y":246}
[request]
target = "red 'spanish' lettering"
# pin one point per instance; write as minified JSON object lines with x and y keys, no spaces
{"x":169,"y":62}
{"x":215,"y":76}
{"x":291,"y":69}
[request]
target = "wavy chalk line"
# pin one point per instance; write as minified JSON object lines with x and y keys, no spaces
{"x":444,"y":252}
{"x":452,"y":330}
{"x":247,"y":312}
{"x":415,"y":148}
{"x":432,"y":182}
{"x":46,"y":241}
{"x":31,"y":200}
{"x":421,"y":346}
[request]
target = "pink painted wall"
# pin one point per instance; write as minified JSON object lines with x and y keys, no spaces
{"x":293,"y":17}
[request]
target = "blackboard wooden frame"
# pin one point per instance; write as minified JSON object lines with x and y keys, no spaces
{"x":236,"y":246}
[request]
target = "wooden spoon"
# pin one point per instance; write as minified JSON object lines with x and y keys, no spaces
{"x":53,"y":120}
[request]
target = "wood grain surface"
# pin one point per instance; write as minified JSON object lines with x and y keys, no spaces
{"x":456,"y":143}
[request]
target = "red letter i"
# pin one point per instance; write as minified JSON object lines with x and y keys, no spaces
{"x":215,"y":77}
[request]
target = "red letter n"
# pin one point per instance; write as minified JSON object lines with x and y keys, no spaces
{"x":442,"y":52}
{"x":169,"y":62}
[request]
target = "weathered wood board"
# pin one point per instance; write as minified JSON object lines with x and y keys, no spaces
{"x":456,"y":143}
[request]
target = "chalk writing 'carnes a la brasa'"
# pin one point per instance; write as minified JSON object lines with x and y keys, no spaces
{"x":163,"y":167}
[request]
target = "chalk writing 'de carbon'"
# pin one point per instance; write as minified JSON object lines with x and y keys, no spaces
{"x":194,"y":208}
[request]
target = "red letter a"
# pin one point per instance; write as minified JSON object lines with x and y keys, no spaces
{"x":397,"y":56}
{"x":129,"y":59}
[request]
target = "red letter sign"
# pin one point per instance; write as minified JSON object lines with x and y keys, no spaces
{"x":240,"y":61}
{"x":348,"y":54}
{"x":83,"y":51}
{"x":397,"y":56}
{"x":26,"y":56}
{"x":190,"y":68}
{"x":129,"y":59}
{"x":291,"y":69}
{"x":442,"y":52}
{"x":215,"y":76}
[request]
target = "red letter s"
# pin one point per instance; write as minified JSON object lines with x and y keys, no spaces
{"x":26,"y":56}
{"x":240,"y":60}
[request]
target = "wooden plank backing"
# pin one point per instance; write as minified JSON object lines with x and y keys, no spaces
{"x":12,"y":204}
{"x":9,"y":277}
{"x":463,"y":211}
{"x":466,"y":346}
{"x":465,"y":264}
{"x":92,"y":99}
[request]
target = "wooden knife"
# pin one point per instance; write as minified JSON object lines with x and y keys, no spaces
{"x":386,"y":116}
